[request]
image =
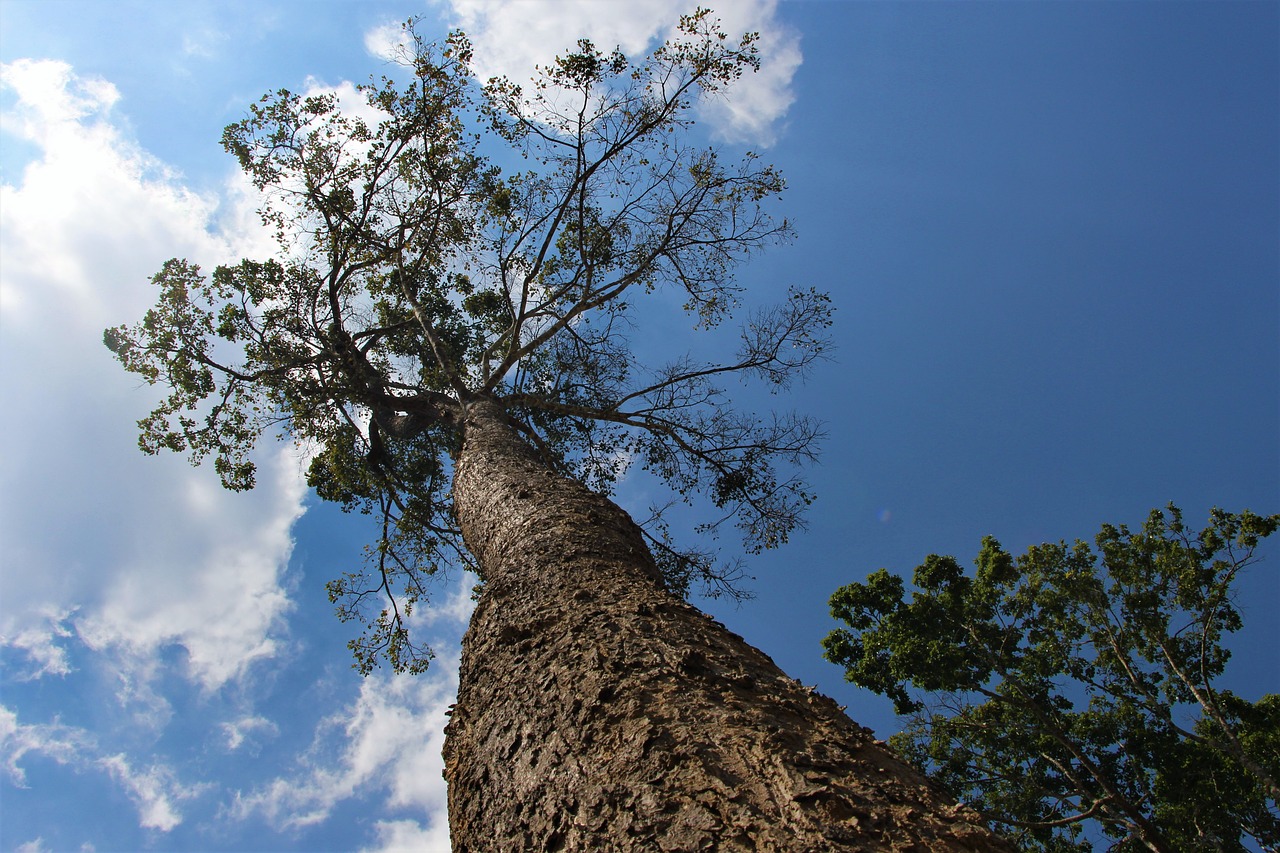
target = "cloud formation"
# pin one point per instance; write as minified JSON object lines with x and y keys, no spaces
{"x":389,"y":739}
{"x":154,"y":791}
{"x":55,"y":741}
{"x":408,"y":836}
{"x":121,"y":557}
{"x":40,"y":642}
{"x":134,"y":553}
{"x":240,"y":731}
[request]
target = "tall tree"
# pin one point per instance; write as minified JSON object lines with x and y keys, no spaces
{"x":451,"y":344}
{"x":1071,"y":687}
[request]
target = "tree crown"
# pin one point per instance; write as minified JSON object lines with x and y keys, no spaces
{"x":414,"y":275}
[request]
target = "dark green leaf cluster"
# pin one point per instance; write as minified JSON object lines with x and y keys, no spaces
{"x":413,"y":276}
{"x":1075,"y":687}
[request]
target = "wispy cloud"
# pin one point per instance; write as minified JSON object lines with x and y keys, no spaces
{"x":34,"y":846}
{"x":510,"y":39}
{"x":155,"y":791}
{"x":238,"y":732}
{"x":390,"y":738}
{"x":225,"y":602}
{"x":40,"y":643}
{"x":387,"y":41}
{"x":204,"y":42}
{"x":124,"y":556}
{"x":63,"y":744}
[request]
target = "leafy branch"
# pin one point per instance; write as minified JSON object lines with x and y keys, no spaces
{"x":1079,"y":686}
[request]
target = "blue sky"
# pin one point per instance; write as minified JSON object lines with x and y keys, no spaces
{"x":1052,"y":233}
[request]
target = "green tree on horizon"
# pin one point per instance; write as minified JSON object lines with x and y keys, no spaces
{"x":1067,"y":687}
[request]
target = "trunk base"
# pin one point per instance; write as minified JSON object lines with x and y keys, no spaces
{"x":633,"y":722}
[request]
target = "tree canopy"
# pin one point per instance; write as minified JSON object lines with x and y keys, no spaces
{"x":414,"y":273}
{"x":1071,"y":685}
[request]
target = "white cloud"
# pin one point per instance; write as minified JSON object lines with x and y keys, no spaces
{"x":450,"y":612}
{"x":91,"y":207}
{"x":133,"y":557}
{"x":63,"y":744}
{"x":39,"y":642}
{"x":238,"y":731}
{"x":52,"y":95}
{"x":154,"y":791}
{"x":34,"y":846}
{"x":390,"y":739}
{"x":352,"y":103}
{"x":752,"y":112}
{"x":224,"y":603}
{"x":152,"y":552}
{"x":409,"y":836}
{"x":510,"y":39}
{"x":387,"y":41}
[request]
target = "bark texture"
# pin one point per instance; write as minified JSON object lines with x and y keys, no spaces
{"x":597,"y":712}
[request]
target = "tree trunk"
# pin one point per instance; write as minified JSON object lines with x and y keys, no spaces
{"x":598,"y":712}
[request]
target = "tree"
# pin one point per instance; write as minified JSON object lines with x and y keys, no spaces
{"x":451,"y":344}
{"x":1070,"y":686}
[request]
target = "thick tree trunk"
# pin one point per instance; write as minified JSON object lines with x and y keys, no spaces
{"x":597,"y":712}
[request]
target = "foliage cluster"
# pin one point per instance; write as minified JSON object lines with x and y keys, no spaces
{"x":1072,"y":688}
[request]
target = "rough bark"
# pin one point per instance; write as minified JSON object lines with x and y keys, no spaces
{"x":597,"y":712}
